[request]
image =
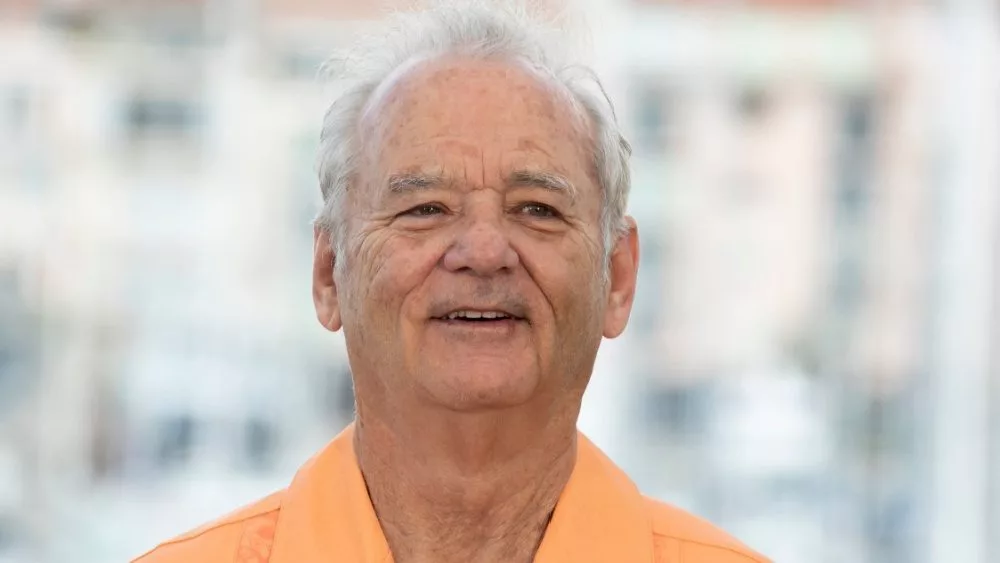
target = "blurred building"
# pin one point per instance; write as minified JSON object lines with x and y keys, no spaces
{"x":790,"y":336}
{"x":156,"y":272}
{"x":785,"y":182}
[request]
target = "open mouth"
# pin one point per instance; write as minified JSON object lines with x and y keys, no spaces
{"x":472,"y":316}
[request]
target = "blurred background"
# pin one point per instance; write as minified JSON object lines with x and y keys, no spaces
{"x":810,"y":362}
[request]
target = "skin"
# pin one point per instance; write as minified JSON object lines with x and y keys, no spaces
{"x":466,"y":432}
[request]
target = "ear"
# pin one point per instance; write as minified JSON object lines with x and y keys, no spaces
{"x":324,"y":288}
{"x":623,"y":269}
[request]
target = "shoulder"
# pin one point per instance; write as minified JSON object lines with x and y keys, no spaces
{"x":249,"y":529}
{"x":682,"y":537}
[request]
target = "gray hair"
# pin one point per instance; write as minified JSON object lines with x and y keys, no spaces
{"x":486,"y":30}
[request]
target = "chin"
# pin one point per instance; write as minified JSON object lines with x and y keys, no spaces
{"x":474,"y":390}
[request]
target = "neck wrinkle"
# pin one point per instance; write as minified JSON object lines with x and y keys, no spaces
{"x":483,"y":494}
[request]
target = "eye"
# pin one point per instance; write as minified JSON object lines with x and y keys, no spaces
{"x":425,"y":210}
{"x":535,"y":209}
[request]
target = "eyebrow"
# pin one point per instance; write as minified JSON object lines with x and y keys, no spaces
{"x":413,"y":181}
{"x":548,"y":180}
{"x":408,"y":182}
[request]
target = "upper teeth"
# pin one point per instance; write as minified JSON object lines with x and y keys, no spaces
{"x":477,"y":315}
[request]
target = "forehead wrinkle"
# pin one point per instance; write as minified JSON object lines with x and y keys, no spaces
{"x":404,"y":85}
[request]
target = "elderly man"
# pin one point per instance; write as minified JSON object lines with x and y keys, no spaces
{"x":474,"y":248}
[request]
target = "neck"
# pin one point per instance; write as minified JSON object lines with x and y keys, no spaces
{"x":469,"y":487}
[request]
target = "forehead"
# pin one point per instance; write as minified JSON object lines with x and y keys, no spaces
{"x":496,"y":111}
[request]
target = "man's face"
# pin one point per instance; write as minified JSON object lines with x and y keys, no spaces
{"x":473,"y":260}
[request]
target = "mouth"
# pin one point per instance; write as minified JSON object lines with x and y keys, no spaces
{"x":479,"y":316}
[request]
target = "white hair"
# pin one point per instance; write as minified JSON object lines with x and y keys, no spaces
{"x":487,"y":30}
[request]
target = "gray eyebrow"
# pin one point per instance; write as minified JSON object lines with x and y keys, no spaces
{"x":413,"y":181}
{"x":548,"y":180}
{"x":407,"y":182}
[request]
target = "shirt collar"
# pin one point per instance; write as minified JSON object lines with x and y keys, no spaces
{"x":326,"y":513}
{"x":600,"y":516}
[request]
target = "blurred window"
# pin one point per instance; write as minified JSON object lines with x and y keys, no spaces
{"x":855,"y":153}
{"x":653,"y":105}
{"x":753,"y":104}
{"x":340,"y":399}
{"x":18,"y":154}
{"x":14,"y":107}
{"x":854,"y":169}
{"x":177,"y":435}
{"x":259,"y":443}
{"x":23,"y":145}
{"x":332,"y":388}
{"x":650,"y":285}
{"x":18,"y":341}
{"x":299,"y":64}
{"x":677,"y":411}
{"x":75,"y":18}
{"x":168,"y":22}
{"x":149,"y":116}
{"x":308,"y":200}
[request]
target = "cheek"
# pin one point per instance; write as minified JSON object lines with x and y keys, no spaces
{"x":393,"y":268}
{"x":582,"y":290}
{"x":567,"y":274}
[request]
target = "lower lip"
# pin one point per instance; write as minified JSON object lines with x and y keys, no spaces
{"x":500,"y":327}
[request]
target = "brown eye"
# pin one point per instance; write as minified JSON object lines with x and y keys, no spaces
{"x":425,"y":210}
{"x":538,"y":210}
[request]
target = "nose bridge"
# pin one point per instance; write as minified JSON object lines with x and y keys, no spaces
{"x":481,"y":243}
{"x":483,"y":216}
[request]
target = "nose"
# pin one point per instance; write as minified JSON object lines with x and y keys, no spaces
{"x":481,"y":247}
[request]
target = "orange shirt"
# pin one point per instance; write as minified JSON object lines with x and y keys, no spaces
{"x":325,"y":516}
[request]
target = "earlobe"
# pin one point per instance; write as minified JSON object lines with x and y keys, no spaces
{"x":624,"y":268}
{"x":325,"y":294}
